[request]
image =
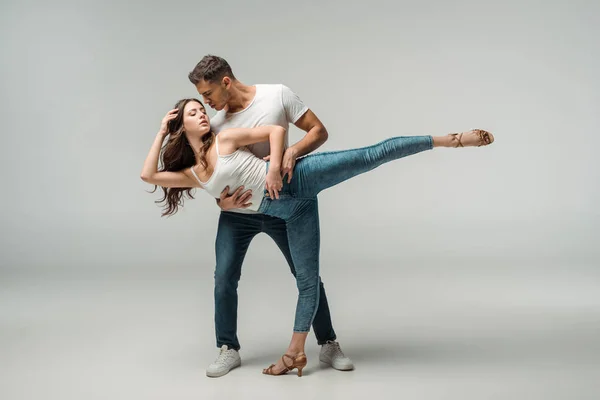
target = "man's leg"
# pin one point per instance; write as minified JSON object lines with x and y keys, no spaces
{"x":234,"y":234}
{"x":322,"y":325}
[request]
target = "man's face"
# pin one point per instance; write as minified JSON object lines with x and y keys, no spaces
{"x":214,"y":94}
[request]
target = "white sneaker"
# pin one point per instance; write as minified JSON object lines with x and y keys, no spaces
{"x":332,"y":354}
{"x":227,"y":360}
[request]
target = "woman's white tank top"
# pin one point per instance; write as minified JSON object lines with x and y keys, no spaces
{"x":240,"y":168}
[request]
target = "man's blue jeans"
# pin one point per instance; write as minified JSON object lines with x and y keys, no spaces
{"x":235,"y":232}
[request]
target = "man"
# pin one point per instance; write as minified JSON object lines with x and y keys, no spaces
{"x":240,"y":105}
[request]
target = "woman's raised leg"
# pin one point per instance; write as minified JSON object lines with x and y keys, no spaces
{"x":320,"y":171}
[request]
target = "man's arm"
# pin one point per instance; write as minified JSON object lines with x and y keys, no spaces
{"x":316,"y":135}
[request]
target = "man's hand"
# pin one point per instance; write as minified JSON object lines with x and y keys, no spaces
{"x":236,"y":200}
{"x":288,"y":163}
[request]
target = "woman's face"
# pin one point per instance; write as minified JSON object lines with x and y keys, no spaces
{"x":195,"y":120}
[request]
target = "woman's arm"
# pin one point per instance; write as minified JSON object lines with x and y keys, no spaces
{"x":232,"y":139}
{"x":150,"y":172}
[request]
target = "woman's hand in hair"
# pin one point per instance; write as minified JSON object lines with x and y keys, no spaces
{"x":171,"y":115}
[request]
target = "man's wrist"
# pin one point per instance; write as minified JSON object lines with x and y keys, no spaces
{"x":293,"y":151}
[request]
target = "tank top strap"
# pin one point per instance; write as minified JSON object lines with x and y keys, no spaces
{"x":196,"y":176}
{"x":217,"y":144}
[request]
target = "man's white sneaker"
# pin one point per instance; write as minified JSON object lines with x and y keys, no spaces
{"x":225,"y":362}
{"x":332,"y":354}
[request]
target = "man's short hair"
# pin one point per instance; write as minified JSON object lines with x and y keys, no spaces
{"x":211,"y":69}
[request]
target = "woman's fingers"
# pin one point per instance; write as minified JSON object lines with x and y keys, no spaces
{"x":172,"y":114}
{"x":274,"y":191}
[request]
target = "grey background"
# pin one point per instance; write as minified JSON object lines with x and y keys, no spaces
{"x":452,"y":274}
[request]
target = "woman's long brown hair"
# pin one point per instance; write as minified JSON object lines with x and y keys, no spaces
{"x":176,"y":155}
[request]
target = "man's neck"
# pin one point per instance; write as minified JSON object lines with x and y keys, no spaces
{"x":241,"y":96}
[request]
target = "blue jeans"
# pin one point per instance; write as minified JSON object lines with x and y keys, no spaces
{"x":235,"y":232}
{"x":297,"y":206}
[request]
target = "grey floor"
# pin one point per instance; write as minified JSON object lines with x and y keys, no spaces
{"x":519,"y":332}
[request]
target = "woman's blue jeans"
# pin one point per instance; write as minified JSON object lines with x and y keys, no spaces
{"x":297,"y":206}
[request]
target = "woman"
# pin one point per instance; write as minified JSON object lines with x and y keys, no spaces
{"x":194,"y":158}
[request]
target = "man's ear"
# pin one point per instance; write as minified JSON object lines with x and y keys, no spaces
{"x":226,"y":81}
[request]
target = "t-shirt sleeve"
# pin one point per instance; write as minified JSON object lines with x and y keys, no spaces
{"x":293,"y":106}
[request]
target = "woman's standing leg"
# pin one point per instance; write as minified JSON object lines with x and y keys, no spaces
{"x":302,"y":221}
{"x":322,"y":326}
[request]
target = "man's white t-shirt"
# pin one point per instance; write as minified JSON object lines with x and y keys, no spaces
{"x":272,"y":105}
